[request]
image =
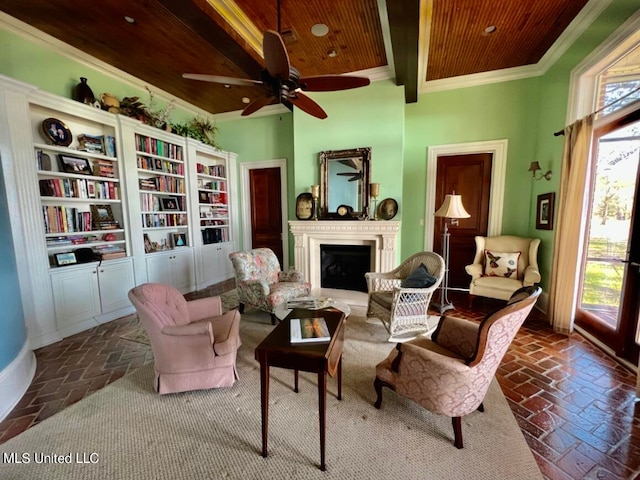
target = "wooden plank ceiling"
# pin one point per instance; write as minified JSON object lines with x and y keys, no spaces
{"x":170,"y":37}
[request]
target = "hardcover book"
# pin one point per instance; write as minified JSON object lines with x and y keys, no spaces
{"x":309,"y":330}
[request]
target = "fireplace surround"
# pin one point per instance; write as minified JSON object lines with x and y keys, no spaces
{"x":380,"y":236}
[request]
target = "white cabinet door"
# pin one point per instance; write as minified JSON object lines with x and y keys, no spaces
{"x":159,"y":268}
{"x":176,"y":267}
{"x":224,"y":263}
{"x":75,"y":295}
{"x":115,"y":281}
{"x":183,"y":271}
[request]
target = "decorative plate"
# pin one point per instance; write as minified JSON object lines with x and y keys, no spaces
{"x":56,"y":131}
{"x":387,"y":209}
{"x":305,"y":206}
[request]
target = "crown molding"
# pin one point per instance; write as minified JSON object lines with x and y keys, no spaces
{"x":45,"y":40}
{"x":263,"y":112}
{"x":238,"y":21}
{"x":576,"y":28}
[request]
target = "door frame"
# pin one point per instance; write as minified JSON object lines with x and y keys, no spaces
{"x":245,"y":169}
{"x":498,"y":148}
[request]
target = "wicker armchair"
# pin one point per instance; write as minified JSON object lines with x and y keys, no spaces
{"x":403,"y":310}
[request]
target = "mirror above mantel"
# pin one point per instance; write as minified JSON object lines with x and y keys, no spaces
{"x":345,"y":183}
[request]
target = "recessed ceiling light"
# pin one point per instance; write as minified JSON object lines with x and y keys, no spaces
{"x":226,"y":85}
{"x":130,"y":20}
{"x":246,"y":100}
{"x":332,"y":53}
{"x":319,"y":29}
{"x":490,"y":29}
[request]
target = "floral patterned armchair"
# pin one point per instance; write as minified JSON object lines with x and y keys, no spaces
{"x":451,"y":373}
{"x":261,"y":283}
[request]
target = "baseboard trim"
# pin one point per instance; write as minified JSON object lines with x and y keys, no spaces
{"x":15,"y":379}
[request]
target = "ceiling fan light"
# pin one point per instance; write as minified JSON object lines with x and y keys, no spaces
{"x":130,"y":20}
{"x":246,"y":100}
{"x":319,"y":29}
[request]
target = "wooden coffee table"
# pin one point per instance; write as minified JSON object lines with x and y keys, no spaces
{"x":322,"y":358}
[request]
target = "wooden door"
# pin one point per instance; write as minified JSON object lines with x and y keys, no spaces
{"x":469,"y":176}
{"x":266,"y":210}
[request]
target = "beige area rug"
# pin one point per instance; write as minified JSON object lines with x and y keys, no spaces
{"x":130,"y":432}
{"x":229,"y":300}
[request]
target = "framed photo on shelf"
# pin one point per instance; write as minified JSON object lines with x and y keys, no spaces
{"x":69,"y":164}
{"x":67,"y":258}
{"x":169,"y":204}
{"x":102,"y":217}
{"x":57,"y":132}
{"x":544,"y":211}
{"x":305,"y":206}
{"x":148,"y":246}
{"x":178,"y":240}
{"x":203,"y":197}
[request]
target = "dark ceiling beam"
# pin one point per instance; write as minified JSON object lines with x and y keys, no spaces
{"x":198,"y":21}
{"x":404,"y":27}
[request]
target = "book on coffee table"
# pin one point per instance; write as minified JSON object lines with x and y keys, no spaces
{"x":309,"y":303}
{"x":309,"y":330}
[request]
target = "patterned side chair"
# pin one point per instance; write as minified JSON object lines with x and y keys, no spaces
{"x":402,"y":304}
{"x":451,"y":373}
{"x":261,"y":283}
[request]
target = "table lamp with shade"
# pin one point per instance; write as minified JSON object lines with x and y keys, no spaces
{"x":453,"y":209}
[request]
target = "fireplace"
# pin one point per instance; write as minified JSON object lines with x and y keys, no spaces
{"x":343,"y":266}
{"x":379,"y":237}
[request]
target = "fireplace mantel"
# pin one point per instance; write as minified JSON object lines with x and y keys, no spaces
{"x":308,"y":235}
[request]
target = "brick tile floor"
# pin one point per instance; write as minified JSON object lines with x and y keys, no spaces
{"x":574,"y":404}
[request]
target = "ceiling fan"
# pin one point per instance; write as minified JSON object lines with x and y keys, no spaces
{"x":283,"y":82}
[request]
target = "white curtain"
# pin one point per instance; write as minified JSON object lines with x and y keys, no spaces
{"x":572,"y":205}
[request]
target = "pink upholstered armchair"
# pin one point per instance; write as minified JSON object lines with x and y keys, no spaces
{"x":451,"y":373}
{"x":194,"y":344}
{"x":261,"y":283}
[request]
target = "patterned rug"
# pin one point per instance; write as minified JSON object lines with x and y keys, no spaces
{"x":127,"y":431}
{"x":229,"y":301}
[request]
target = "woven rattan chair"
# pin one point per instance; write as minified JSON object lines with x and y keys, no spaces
{"x":403,"y":310}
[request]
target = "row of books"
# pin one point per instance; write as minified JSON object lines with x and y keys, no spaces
{"x":154,"y":220}
{"x":78,"y":188}
{"x":103,"y":144}
{"x":110,"y":252}
{"x":218,"y":185}
{"x":159,"y":165}
{"x":213,"y":170}
{"x":158,"y":147}
{"x":162,"y":184}
{"x":61,"y":219}
{"x":212,"y":197}
{"x":103,"y":168}
{"x":68,"y":240}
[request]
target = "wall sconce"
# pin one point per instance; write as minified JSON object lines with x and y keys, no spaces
{"x":534,"y":167}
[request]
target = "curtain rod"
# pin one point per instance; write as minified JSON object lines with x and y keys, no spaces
{"x":561,"y":132}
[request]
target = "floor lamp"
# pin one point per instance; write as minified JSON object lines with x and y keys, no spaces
{"x":451,"y":208}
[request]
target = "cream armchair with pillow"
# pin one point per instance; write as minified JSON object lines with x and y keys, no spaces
{"x":502,"y":265}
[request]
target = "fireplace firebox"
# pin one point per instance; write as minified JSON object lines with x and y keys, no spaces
{"x":343,"y":266}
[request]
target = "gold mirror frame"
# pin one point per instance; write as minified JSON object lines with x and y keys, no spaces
{"x":357,"y":162}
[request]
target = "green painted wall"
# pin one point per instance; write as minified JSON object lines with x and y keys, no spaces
{"x":257,"y":139}
{"x":506,"y":110}
{"x":553,"y":101}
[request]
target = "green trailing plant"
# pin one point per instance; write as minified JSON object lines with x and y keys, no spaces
{"x":198,"y":128}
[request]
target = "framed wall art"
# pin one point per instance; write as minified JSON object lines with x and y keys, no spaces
{"x":70,"y":164}
{"x":387,"y":209}
{"x":544,"y":211}
{"x":57,"y":132}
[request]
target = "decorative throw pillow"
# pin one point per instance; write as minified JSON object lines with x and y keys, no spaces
{"x":501,"y":264}
{"x":419,"y":278}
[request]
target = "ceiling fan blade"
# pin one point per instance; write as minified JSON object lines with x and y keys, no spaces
{"x":304,"y":103}
{"x":330,"y":83}
{"x":218,"y":79}
{"x":275,"y":54}
{"x":257,"y":104}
